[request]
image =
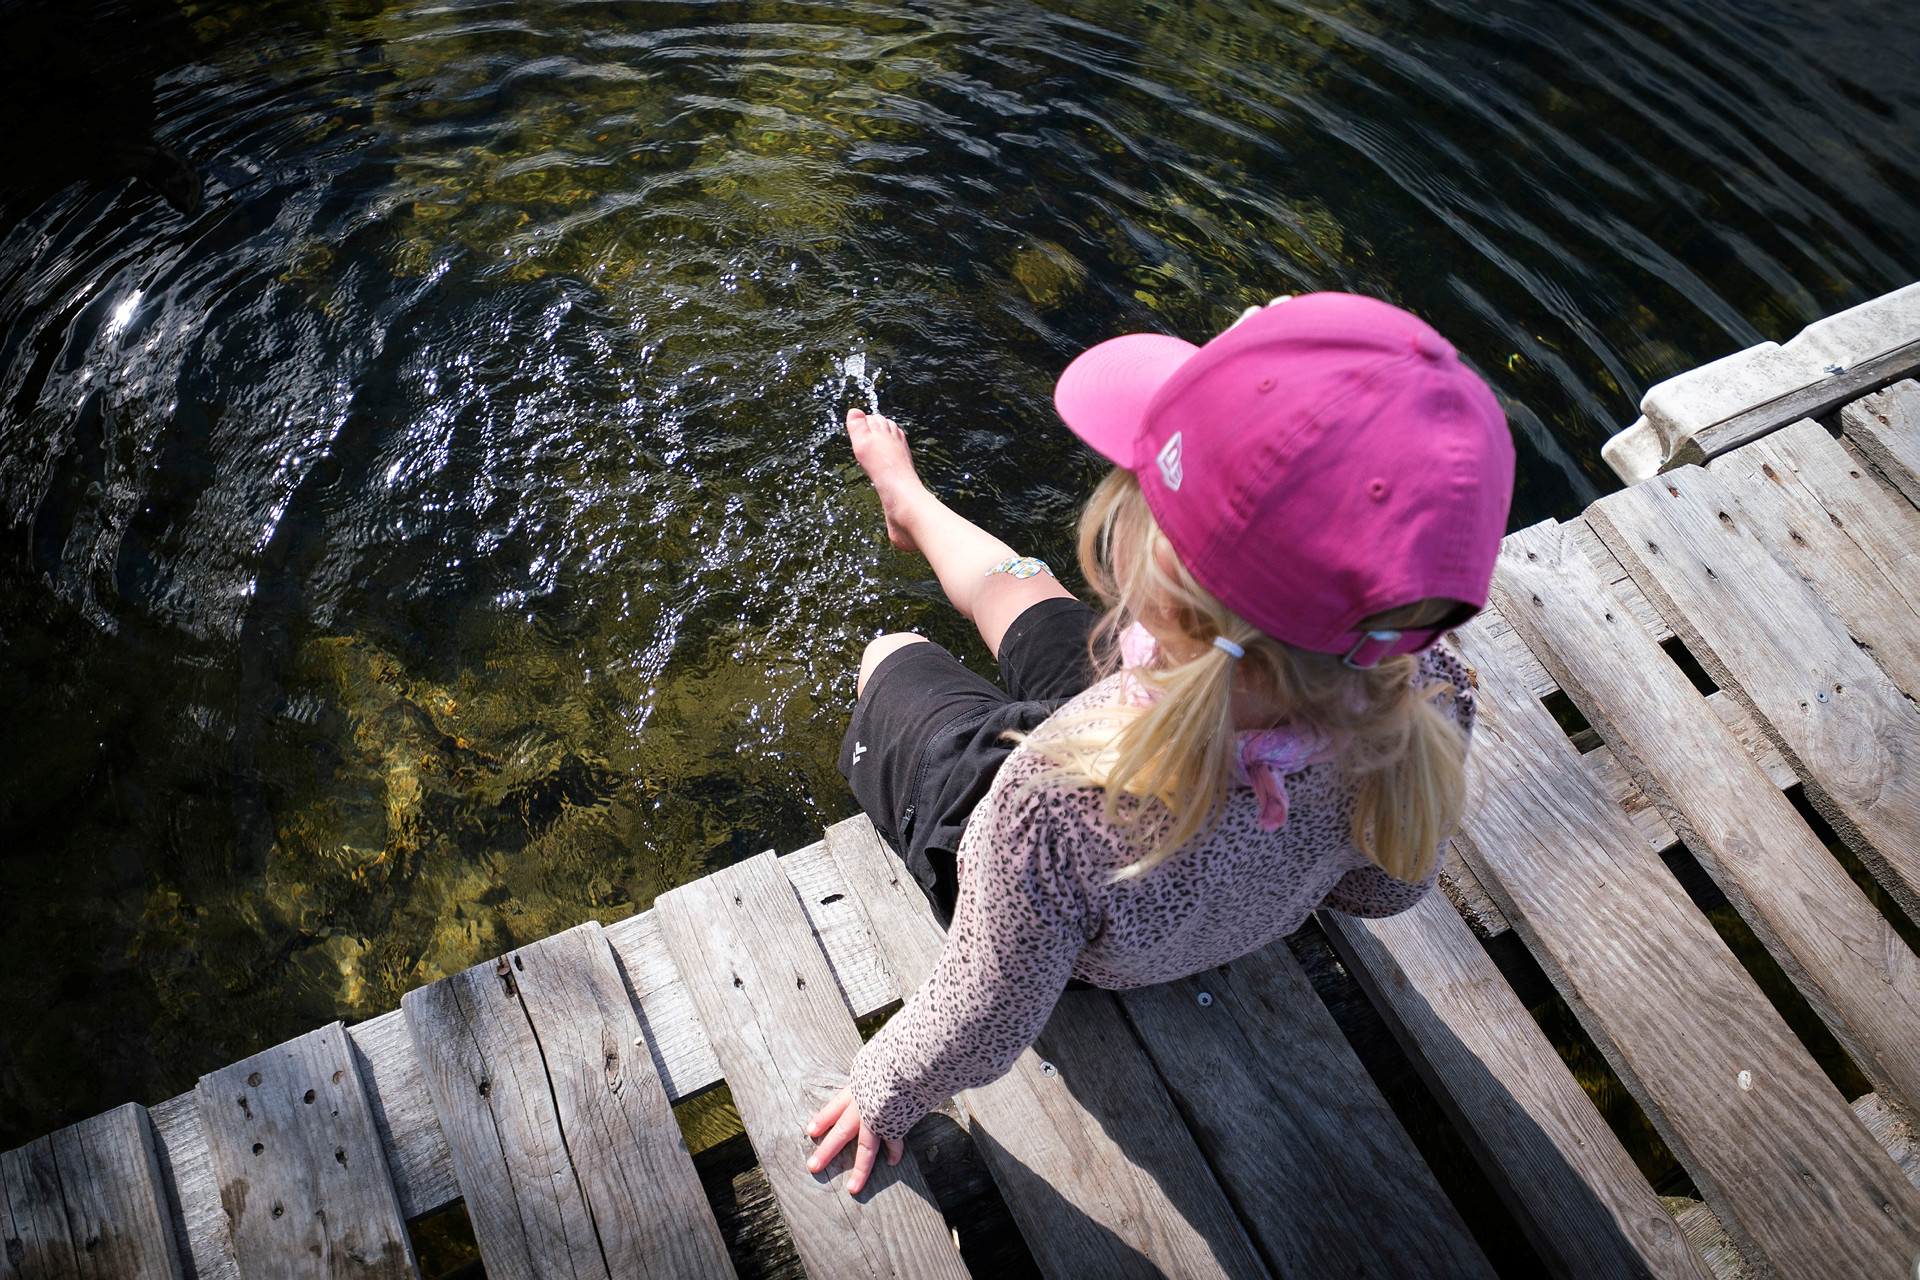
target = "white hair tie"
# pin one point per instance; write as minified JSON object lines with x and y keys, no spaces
{"x":1232,"y":650}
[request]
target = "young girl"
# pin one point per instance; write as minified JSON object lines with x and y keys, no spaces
{"x":1258,"y":725}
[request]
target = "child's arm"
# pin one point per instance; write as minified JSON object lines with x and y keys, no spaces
{"x":1020,"y":923}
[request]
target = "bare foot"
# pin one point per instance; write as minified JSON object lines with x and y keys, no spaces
{"x":880,"y":447}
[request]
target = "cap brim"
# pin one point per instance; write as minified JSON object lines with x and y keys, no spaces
{"x":1104,"y":393}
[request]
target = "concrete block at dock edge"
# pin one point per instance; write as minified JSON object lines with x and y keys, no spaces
{"x":1680,"y":408}
{"x":1636,"y":453}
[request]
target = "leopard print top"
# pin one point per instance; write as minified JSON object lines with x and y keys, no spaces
{"x":1038,"y":904}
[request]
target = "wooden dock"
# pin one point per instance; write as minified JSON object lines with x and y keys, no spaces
{"x":1736,"y":636}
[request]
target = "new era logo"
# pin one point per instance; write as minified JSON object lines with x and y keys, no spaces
{"x":1169,"y":461}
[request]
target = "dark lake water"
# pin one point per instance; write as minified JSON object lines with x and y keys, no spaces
{"x":441,"y":533}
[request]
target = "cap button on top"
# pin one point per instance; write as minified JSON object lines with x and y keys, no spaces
{"x":1432,"y":347}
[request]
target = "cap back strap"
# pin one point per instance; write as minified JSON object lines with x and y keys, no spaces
{"x":1370,"y":648}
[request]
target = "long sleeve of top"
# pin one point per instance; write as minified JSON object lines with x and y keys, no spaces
{"x":1020,"y":923}
{"x":1039,"y":903}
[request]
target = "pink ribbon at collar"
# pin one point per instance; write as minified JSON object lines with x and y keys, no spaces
{"x":1265,"y":757}
{"x":1268,"y":755}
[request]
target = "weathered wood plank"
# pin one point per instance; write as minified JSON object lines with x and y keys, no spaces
{"x":1312,"y":1155}
{"x":1766,"y":638}
{"x":186,"y":1169}
{"x":675,"y":1040}
{"x":1891,"y":1131}
{"x":1616,"y":576}
{"x":1740,"y":722}
{"x":1789,"y":1170}
{"x":37,"y":1245}
{"x":841,"y":925}
{"x":1885,"y":428}
{"x":490,"y":1090}
{"x":562,"y":1138}
{"x":1092,"y":1159}
{"x":1569,"y":1183}
{"x":1464,"y":890}
{"x":417,"y":1156}
{"x":1508,"y":649}
{"x":86,"y":1202}
{"x":649,"y":1213}
{"x":1813,"y":401}
{"x":116,"y":1209}
{"x":1857,"y":545}
{"x":301,"y":1173}
{"x":785,"y":1041}
{"x":674,"y":1035}
{"x":1835,"y":946}
{"x":1617,"y":781}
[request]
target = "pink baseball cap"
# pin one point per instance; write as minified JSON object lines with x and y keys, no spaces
{"x":1324,"y":460}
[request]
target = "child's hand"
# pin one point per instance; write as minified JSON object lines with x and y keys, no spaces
{"x":840,"y":1120}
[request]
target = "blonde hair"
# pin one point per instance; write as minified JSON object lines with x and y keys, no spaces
{"x":1407,"y":754}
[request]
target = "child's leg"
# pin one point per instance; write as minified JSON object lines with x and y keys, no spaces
{"x":960,"y":551}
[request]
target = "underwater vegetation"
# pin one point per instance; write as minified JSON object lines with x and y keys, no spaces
{"x":430,"y":529}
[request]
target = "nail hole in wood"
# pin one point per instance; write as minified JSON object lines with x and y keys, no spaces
{"x":831,"y":898}
{"x":307,"y":1097}
{"x":253,"y":1080}
{"x":258,"y":1147}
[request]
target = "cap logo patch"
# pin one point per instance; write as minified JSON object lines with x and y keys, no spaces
{"x":1169,"y":461}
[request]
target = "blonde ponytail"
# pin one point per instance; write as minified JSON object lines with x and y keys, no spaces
{"x":1407,"y":754}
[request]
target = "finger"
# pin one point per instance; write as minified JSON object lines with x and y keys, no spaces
{"x":862,"y":1161}
{"x":843,"y":1130}
{"x":895,"y":1149}
{"x":827,"y":1114}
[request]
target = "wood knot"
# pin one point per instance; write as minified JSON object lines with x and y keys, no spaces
{"x":340,"y":1154}
{"x":486,"y":1087}
{"x":279,"y":1209}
